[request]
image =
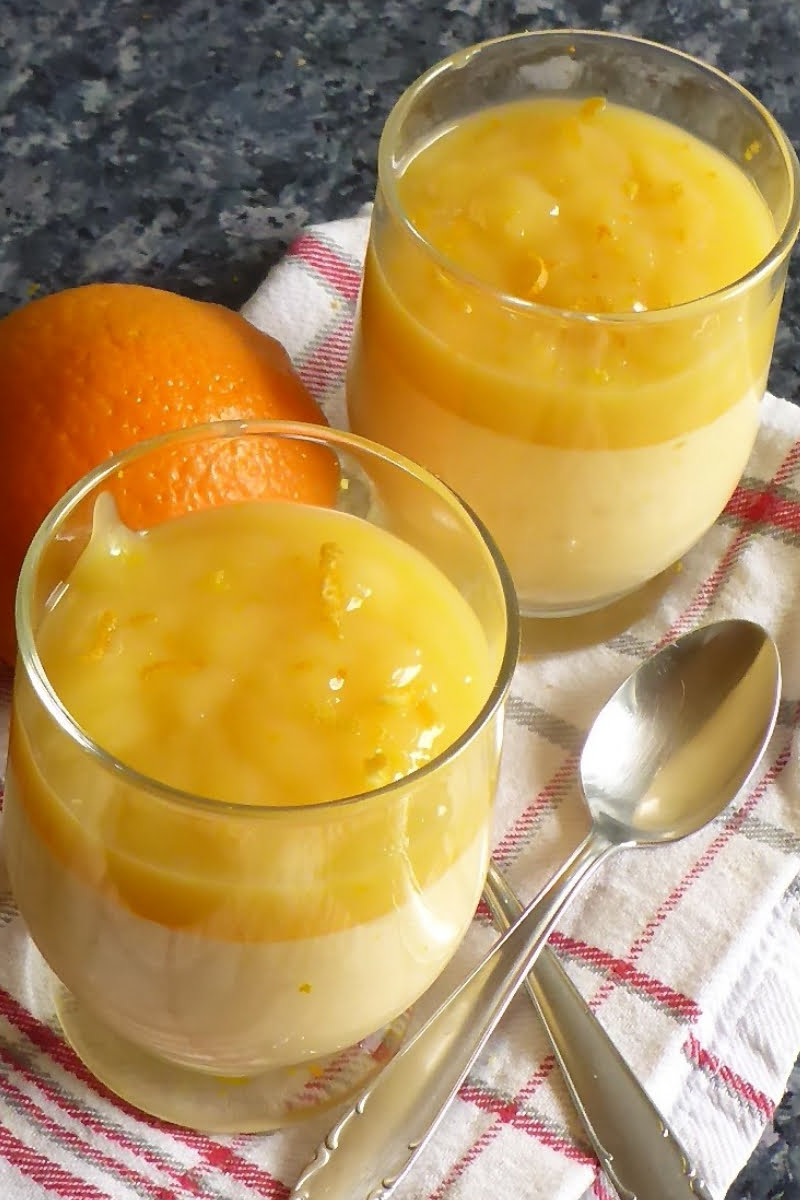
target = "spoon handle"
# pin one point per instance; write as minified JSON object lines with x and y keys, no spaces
{"x":371,"y":1148}
{"x":634,"y":1145}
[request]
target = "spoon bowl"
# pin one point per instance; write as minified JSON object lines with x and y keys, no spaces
{"x":679,"y":738}
{"x":667,"y":753}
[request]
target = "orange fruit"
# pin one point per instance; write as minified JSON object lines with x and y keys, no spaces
{"x":89,"y":371}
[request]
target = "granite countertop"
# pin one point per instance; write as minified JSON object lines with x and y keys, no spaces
{"x":183,"y":143}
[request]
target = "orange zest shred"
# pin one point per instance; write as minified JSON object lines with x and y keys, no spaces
{"x":591,"y":107}
{"x":330,"y":557}
{"x":104,"y":632}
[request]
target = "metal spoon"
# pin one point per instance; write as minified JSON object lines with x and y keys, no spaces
{"x":674,"y":744}
{"x":634,"y":1145}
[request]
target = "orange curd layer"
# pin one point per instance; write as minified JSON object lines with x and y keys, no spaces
{"x":565,"y":208}
{"x":269,"y":656}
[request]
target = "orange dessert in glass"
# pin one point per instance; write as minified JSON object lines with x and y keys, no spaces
{"x":252,"y":763}
{"x":571,"y":291}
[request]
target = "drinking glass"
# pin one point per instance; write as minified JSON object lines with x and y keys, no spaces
{"x":596,"y":446}
{"x":224,"y":966}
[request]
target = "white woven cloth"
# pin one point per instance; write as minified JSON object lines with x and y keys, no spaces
{"x":690,"y":954}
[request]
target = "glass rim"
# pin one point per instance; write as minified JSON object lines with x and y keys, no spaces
{"x":30,"y":662}
{"x":778,"y":252}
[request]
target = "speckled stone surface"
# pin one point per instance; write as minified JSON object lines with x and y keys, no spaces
{"x":184,"y":142}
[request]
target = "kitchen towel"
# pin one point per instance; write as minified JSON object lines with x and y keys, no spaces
{"x":689,"y":954}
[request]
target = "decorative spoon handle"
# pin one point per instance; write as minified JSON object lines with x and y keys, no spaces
{"x":370,"y":1149}
{"x":633,"y":1143}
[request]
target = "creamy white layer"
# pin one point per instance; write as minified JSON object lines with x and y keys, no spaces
{"x":235,"y":1007}
{"x":576,"y":526}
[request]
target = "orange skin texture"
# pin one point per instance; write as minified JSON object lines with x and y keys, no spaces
{"x":90,"y":371}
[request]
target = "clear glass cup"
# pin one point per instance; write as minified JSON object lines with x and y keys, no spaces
{"x":597,"y":447}
{"x":224,"y":966}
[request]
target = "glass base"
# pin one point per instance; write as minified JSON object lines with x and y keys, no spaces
{"x":575,"y":630}
{"x":213,"y":1104}
{"x":558,"y":612}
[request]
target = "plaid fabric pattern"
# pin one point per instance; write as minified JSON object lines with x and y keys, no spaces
{"x":689,"y":954}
